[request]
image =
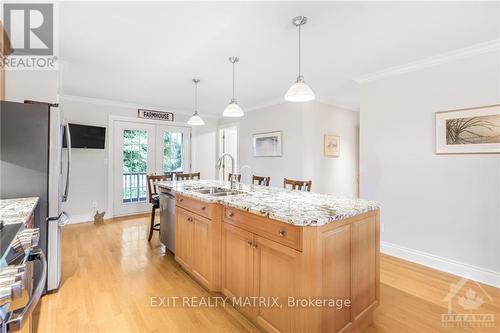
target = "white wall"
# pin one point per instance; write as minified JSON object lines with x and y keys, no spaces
{"x":36,"y":85}
{"x":89,"y":177}
{"x":433,"y":205}
{"x":303,"y":126}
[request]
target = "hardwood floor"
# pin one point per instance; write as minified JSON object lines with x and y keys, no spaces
{"x":110,"y":273}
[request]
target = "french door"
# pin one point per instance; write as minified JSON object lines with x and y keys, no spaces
{"x":141,"y":149}
{"x":228,"y":143}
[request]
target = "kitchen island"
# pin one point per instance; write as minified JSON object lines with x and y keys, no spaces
{"x":291,"y":261}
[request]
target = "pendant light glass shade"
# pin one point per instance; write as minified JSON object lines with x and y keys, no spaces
{"x":195,"y":119}
{"x":233,"y":109}
{"x":299,"y":91}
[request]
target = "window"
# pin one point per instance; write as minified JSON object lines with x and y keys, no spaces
{"x":173,"y":152}
{"x":135,"y":165}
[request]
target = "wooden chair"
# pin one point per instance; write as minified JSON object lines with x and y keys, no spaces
{"x":188,"y":176}
{"x":237,"y":175}
{"x":155,"y":199}
{"x":260,"y":180}
{"x":301,"y":185}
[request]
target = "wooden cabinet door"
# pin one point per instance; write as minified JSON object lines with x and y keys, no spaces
{"x":201,"y":249}
{"x":275,"y":275}
{"x":184,"y":237}
{"x":237,"y":262}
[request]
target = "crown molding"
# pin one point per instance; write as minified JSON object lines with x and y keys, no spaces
{"x":342,"y":106}
{"x":101,"y":101}
{"x":265,"y":105}
{"x":432,"y":61}
{"x":281,"y":101}
{"x":122,"y":104}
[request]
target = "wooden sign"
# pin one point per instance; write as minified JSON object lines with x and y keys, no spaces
{"x":156,"y":115}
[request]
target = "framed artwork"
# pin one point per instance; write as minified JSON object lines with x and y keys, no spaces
{"x":332,"y":145}
{"x":267,"y":144}
{"x":468,"y":131}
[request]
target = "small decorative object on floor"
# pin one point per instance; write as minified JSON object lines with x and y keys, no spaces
{"x":468,"y":131}
{"x":332,"y":145}
{"x":99,"y":217}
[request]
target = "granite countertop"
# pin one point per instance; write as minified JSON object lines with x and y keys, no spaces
{"x":286,"y":205}
{"x":17,"y":210}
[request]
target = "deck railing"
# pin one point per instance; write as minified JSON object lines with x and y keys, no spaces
{"x":135,"y":187}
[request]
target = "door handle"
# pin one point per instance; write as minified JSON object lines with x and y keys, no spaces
{"x":68,"y":170}
{"x":17,"y":318}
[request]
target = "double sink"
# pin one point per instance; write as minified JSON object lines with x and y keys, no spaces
{"x":216,"y":191}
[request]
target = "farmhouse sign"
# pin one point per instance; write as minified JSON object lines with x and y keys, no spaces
{"x":157,"y":115}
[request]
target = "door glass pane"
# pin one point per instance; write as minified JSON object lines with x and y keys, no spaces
{"x":173,"y":152}
{"x":135,"y":165}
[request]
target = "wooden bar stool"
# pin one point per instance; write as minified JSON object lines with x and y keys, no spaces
{"x":236,"y":175}
{"x":301,"y":185}
{"x":188,"y":176}
{"x":155,"y":199}
{"x":261,"y":180}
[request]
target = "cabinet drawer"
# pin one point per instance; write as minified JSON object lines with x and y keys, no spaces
{"x":195,"y":206}
{"x":280,"y":232}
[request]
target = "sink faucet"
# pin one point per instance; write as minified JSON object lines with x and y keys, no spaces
{"x":233,"y":176}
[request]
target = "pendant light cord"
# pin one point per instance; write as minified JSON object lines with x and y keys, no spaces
{"x":300,"y":69}
{"x":196,"y":97}
{"x":233,"y":80}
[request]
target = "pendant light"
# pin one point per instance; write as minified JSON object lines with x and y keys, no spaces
{"x":233,"y":109}
{"x":195,"y":119}
{"x":299,"y":91}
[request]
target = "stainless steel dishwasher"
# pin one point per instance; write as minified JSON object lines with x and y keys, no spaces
{"x":167,"y":219}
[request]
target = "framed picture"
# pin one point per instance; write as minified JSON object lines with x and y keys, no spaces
{"x":267,"y":144}
{"x":332,"y":145}
{"x":468,"y":131}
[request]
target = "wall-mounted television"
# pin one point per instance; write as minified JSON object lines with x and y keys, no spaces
{"x":84,"y":136}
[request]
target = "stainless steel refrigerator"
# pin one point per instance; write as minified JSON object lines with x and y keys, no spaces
{"x":34,"y":163}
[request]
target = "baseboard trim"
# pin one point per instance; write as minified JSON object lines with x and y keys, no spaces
{"x":90,"y":218}
{"x":81,"y":219}
{"x":467,"y":271}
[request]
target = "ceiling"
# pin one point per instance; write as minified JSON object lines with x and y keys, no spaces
{"x":147,"y":53}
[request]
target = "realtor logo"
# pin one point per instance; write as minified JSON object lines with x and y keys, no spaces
{"x":30,"y":27}
{"x":469,"y":296}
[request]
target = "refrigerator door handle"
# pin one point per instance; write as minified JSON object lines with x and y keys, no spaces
{"x":64,"y":220}
{"x":68,"y":170}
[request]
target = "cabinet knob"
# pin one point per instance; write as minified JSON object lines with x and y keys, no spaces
{"x":282,"y":232}
{"x":204,"y":207}
{"x":230,"y":214}
{"x":249,"y":243}
{"x":254,"y":245}
{"x":181,"y":200}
